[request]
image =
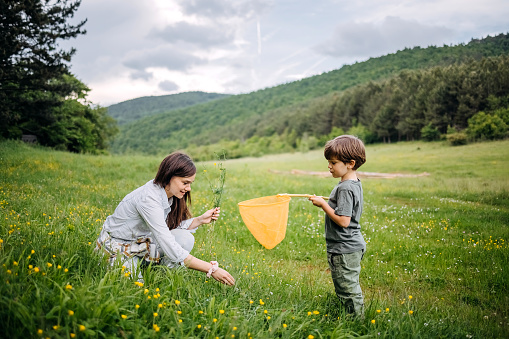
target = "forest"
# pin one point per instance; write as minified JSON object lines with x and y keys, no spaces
{"x":431,"y":93}
{"x":138,"y":108}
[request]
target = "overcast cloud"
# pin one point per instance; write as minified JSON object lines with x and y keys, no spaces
{"x":156,"y":47}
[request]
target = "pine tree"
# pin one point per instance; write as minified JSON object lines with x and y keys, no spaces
{"x":32,"y":66}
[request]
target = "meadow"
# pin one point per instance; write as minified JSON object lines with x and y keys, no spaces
{"x":435,"y":266}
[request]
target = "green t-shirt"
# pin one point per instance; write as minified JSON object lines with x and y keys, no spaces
{"x":346,"y":199}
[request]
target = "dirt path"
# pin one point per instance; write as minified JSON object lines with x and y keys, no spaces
{"x":359,"y":174}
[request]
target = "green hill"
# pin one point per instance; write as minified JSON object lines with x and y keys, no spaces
{"x":135,"y":109}
{"x":302,"y":113}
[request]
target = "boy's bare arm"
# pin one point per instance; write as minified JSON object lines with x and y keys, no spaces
{"x":341,"y":220}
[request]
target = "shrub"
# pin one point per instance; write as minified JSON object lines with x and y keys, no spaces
{"x":430,"y":133}
{"x":362,"y":133}
{"x":486,"y":127}
{"x":457,"y":139}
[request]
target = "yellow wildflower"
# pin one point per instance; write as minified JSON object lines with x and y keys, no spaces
{"x":82,"y":328}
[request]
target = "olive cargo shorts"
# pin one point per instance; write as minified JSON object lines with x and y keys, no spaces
{"x":345,"y":270}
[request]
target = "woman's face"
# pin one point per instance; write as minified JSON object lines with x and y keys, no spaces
{"x":179,"y":186}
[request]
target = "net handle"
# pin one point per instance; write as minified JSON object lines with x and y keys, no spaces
{"x":299,"y":195}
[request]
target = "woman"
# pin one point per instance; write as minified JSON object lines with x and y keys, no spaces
{"x":154,"y":224}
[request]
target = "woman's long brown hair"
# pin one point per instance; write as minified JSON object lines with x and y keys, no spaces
{"x":176,"y":165}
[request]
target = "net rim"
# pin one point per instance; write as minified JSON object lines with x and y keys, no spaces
{"x":283,"y":199}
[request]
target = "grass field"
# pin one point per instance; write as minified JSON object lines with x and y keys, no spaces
{"x":435,"y":266}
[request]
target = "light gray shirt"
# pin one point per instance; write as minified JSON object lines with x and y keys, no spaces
{"x":346,"y":199}
{"x":142,"y":213}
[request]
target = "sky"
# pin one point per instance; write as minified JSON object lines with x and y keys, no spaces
{"x":138,"y":48}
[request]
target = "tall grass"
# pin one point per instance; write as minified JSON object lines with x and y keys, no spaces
{"x":436,"y":262}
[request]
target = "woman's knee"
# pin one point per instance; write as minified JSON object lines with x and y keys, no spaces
{"x":184,"y":238}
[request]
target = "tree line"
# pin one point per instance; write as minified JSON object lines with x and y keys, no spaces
{"x":135,"y":109}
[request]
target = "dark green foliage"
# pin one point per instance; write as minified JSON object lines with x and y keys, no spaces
{"x":38,"y":95}
{"x":430,"y":133}
{"x":135,"y":109}
{"x":408,"y":94}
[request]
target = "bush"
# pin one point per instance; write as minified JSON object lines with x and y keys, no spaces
{"x":430,"y":133}
{"x":486,"y":127}
{"x":457,"y":139}
{"x":362,"y":133}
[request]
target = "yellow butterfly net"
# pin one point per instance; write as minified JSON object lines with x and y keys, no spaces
{"x":266,"y":217}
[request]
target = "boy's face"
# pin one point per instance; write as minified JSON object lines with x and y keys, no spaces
{"x":337,"y":168}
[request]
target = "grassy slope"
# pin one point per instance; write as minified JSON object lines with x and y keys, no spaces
{"x":441,"y":239}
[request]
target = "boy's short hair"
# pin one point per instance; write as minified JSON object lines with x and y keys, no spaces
{"x":346,"y":148}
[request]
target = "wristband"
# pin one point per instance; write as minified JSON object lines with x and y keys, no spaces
{"x":213,"y":268}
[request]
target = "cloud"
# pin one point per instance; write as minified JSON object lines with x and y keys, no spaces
{"x":225,"y":9}
{"x":368,"y":39}
{"x":168,"y":86}
{"x":204,"y":36}
{"x":141,"y":74}
{"x":164,"y":57}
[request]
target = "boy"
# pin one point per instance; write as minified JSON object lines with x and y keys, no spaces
{"x":345,"y":243}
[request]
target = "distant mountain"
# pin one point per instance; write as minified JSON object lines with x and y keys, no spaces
{"x":135,"y":109}
{"x":382,"y":96}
